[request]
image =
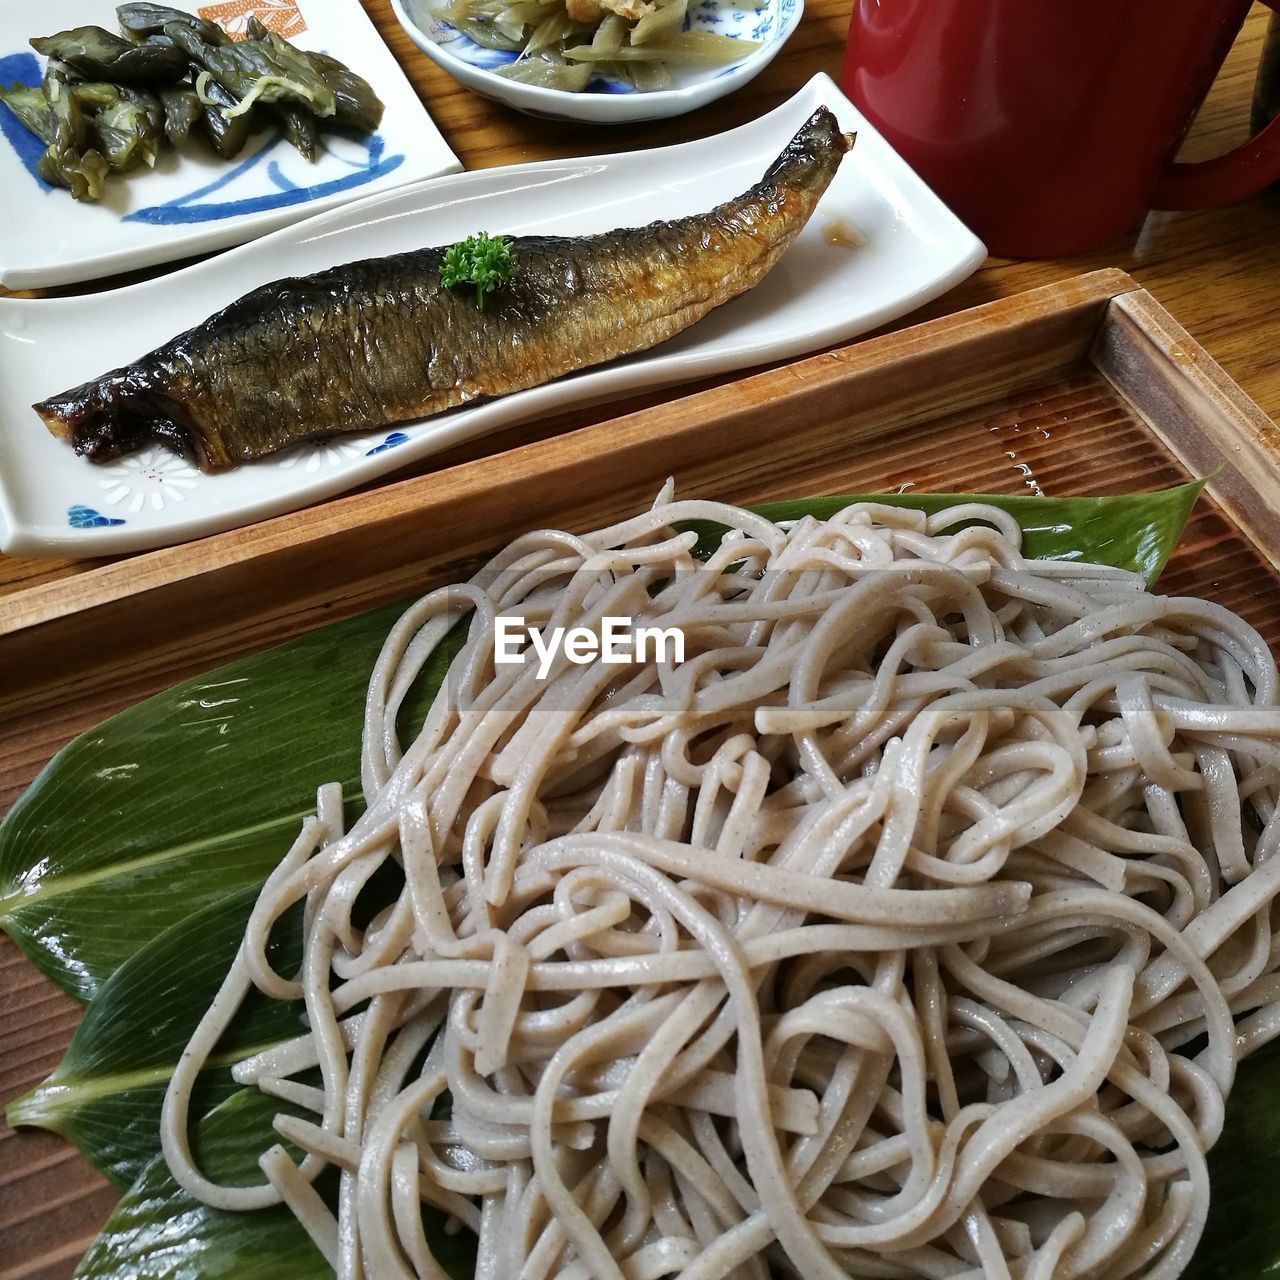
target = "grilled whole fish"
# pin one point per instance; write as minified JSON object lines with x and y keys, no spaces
{"x":359,"y":346}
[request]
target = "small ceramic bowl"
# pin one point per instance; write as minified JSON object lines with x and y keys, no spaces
{"x":607,"y":101}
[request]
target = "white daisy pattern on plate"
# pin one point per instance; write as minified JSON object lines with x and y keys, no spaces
{"x":316,"y":457}
{"x":152,"y":478}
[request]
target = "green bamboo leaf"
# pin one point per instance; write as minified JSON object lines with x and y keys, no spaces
{"x":191,"y":795}
{"x":106,"y":1093}
{"x":195,"y":793}
{"x":1241,"y":1240}
{"x":158,"y":1232}
{"x":1138,"y":531}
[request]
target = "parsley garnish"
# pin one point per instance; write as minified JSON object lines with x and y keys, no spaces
{"x":483,"y":261}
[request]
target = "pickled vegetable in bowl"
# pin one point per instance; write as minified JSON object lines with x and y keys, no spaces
{"x":562,"y":44}
{"x":601,"y":60}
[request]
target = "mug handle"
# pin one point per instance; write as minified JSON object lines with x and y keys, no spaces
{"x":1241,"y":173}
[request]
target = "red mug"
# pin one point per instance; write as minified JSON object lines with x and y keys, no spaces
{"x":1050,"y":126}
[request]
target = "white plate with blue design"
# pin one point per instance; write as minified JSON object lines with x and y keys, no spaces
{"x":763,"y":26}
{"x":192,"y":202}
{"x":879,"y":244}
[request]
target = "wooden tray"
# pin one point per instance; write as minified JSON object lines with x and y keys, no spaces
{"x":1084,"y":387}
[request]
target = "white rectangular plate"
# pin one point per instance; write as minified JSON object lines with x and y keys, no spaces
{"x":192,"y":202}
{"x":909,"y":249}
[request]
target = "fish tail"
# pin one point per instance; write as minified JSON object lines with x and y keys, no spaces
{"x":112,"y":416}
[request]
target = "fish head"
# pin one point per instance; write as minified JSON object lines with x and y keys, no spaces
{"x":810,"y":158}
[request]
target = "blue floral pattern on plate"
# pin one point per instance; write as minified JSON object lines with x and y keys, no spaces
{"x":82,"y":517}
{"x":392,"y":441}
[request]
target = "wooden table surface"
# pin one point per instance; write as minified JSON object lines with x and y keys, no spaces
{"x":1218,"y":272}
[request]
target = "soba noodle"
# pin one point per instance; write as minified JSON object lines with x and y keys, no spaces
{"x":913,"y":925}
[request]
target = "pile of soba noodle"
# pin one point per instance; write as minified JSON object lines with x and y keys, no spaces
{"x":913,"y":925}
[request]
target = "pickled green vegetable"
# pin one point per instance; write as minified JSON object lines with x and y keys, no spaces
{"x":69,"y":161}
{"x":183,"y":110}
{"x":357,"y":106}
{"x":93,"y":95}
{"x":110,"y":103}
{"x":562,"y":45}
{"x":227,"y":132}
{"x":128,"y":128}
{"x":299,"y":127}
{"x":83,"y":174}
{"x":547,"y":71}
{"x":685,"y":48}
{"x":141,"y":21}
{"x":149,"y":101}
{"x":60,"y":71}
{"x":296,"y":123}
{"x":258,"y":71}
{"x":31,"y":107}
{"x":99,"y":55}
